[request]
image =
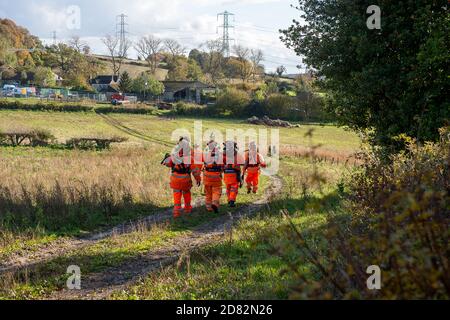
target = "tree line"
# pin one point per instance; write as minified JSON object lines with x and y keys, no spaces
{"x":208,"y":63}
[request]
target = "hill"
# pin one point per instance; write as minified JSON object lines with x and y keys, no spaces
{"x":133,"y":67}
{"x":13,"y":37}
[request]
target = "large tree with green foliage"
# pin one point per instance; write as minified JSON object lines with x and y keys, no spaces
{"x":125,"y":83}
{"x":386,"y":81}
{"x":147,"y":85}
{"x":44,"y":77}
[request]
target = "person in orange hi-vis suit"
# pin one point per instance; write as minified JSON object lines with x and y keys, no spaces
{"x":212,"y":176}
{"x":232,"y":171}
{"x":197,"y":164}
{"x":180,"y":180}
{"x":254,"y":161}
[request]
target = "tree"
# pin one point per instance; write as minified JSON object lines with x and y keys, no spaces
{"x":23,"y":77}
{"x":7,"y":57}
{"x":44,"y":77}
{"x":147,"y":85}
{"x":199,"y":57}
{"x":256,"y":57}
{"x":149,"y":48}
{"x":117,"y":51}
{"x":232,"y":68}
{"x":174,"y":48}
{"x":214,"y":60}
{"x":194,"y":72}
{"x":384,"y":82}
{"x":76,"y":43}
{"x":178,"y":68}
{"x":13,"y":38}
{"x":281,"y":70}
{"x":125,"y":82}
{"x":60,"y":56}
{"x":244,"y":66}
{"x":76,"y":68}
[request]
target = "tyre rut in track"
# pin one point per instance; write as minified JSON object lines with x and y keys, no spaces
{"x":132,"y":132}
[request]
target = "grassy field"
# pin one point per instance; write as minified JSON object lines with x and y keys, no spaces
{"x":66,"y":125}
{"x":51,"y":194}
{"x":132,"y":167}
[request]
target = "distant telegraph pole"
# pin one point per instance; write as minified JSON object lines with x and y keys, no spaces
{"x":226,"y":26}
{"x":121,"y":31}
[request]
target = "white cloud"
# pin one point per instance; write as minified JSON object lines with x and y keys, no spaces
{"x":247,"y":2}
{"x":190,"y":22}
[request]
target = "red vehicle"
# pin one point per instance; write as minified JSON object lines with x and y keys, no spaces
{"x":118,"y":98}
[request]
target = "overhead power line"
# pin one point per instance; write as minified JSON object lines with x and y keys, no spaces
{"x":257,"y":29}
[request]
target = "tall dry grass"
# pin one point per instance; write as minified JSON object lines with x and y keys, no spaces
{"x":398,"y":221}
{"x":80,"y":189}
{"x":321,"y":154}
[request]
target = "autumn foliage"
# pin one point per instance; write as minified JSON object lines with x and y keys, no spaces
{"x":399,"y":222}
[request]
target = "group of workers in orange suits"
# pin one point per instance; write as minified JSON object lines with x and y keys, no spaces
{"x":213,"y":167}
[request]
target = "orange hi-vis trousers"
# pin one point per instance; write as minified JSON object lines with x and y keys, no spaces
{"x":230,"y":177}
{"x":213,"y":194}
{"x":232,"y":191}
{"x":213,"y":189}
{"x":177,"y":197}
{"x":181,"y":185}
{"x":252,"y":181}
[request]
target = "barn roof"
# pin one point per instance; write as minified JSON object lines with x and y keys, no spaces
{"x":174,"y":86}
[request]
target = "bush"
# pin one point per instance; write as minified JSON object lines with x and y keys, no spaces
{"x":21,"y":136}
{"x":128,"y":110}
{"x":281,"y":106}
{"x":195,"y":110}
{"x":72,"y":107}
{"x":90,"y":143}
{"x":233,"y":101}
{"x":41,"y":106}
{"x":41,"y":137}
{"x":399,"y":222}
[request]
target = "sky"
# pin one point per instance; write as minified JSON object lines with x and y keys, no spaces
{"x":191,"y":22}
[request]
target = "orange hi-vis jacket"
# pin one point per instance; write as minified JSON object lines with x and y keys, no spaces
{"x":232,"y":171}
{"x":254,"y":164}
{"x":197,"y":164}
{"x":213,"y":168}
{"x":180,"y":178}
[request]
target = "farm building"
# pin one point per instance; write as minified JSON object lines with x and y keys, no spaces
{"x":105,"y":84}
{"x":189,"y":91}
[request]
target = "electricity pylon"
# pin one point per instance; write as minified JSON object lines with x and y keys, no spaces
{"x":226,"y":26}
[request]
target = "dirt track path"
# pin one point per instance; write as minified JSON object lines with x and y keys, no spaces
{"x":102,"y":285}
{"x":28,"y":260}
